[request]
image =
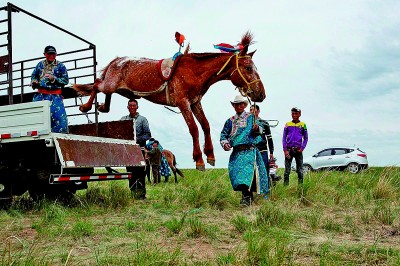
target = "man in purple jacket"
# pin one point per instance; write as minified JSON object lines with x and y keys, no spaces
{"x":294,"y":141}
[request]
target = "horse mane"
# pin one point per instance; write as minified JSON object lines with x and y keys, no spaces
{"x":247,"y":40}
{"x":204,"y":56}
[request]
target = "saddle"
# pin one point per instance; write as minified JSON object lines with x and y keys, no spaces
{"x":166,"y":67}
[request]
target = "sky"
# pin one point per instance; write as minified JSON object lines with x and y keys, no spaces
{"x":339,"y":61}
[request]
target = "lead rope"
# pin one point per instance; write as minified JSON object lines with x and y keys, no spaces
{"x":249,"y":100}
{"x":86,"y":114}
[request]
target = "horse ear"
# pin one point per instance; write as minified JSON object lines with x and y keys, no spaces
{"x":252,"y":53}
{"x":244,"y":50}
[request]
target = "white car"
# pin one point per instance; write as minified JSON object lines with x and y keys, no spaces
{"x":342,"y":158}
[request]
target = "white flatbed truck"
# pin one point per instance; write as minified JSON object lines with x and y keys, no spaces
{"x":55,"y":165}
{"x":34,"y":159}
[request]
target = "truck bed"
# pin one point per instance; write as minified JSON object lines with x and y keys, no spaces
{"x":29,"y":122}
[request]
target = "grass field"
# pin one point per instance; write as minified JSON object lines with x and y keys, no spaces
{"x":336,"y":219}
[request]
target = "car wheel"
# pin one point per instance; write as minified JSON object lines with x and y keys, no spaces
{"x":307,"y":168}
{"x":353,"y":168}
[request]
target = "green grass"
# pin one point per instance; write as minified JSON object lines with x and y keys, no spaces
{"x":335,"y":218}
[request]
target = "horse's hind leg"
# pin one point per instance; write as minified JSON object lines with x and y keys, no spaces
{"x":105,"y":107}
{"x":208,"y":146}
{"x":174,"y":171}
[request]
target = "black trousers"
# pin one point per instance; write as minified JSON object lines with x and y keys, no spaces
{"x":137,"y":183}
{"x":298,"y":156}
{"x":246,"y":192}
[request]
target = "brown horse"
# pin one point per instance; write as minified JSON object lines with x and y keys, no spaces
{"x":172,"y":164}
{"x":193,"y":76}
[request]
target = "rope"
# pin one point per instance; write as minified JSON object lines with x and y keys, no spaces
{"x":229,"y":59}
{"x":144,"y":93}
{"x":164,"y":86}
{"x":86,"y":114}
{"x":240,"y":73}
{"x":166,"y":107}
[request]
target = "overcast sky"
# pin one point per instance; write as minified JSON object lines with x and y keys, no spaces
{"x":339,"y":61}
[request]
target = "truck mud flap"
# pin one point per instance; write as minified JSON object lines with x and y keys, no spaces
{"x":75,"y":151}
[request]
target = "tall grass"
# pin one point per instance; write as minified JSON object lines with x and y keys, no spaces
{"x":335,"y":218}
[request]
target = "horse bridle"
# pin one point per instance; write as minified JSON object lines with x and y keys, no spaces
{"x":241,"y":89}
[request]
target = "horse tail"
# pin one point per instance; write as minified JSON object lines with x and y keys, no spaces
{"x":83,"y":89}
{"x":179,"y":172}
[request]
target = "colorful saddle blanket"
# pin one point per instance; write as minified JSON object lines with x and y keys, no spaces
{"x":166,"y":67}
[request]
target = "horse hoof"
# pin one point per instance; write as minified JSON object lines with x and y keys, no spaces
{"x":102,"y":109}
{"x":211,"y":162}
{"x":83,"y":109}
{"x":200,"y":167}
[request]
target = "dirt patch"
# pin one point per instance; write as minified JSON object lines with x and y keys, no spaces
{"x":28,"y":234}
{"x":199,"y":250}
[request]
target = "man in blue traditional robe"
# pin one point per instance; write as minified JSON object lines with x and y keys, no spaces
{"x":246,"y":167}
{"x":49,"y":78}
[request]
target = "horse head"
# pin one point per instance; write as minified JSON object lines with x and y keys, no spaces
{"x":244,"y":74}
{"x":246,"y":77}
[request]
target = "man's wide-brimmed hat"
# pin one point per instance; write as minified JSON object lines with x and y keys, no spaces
{"x":240,"y":99}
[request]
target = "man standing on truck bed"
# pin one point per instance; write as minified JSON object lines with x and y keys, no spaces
{"x":49,"y":77}
{"x":141,"y":134}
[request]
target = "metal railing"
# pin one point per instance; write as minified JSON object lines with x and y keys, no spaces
{"x":15,"y":76}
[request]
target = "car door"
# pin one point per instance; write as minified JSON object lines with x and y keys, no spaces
{"x":323,"y":159}
{"x":339,"y":157}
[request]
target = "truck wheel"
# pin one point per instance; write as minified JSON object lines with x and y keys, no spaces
{"x":41,"y":189}
{"x":5,"y":203}
{"x":5,"y":190}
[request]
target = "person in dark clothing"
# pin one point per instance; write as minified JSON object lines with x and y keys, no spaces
{"x":154,"y":156}
{"x":266,"y":146}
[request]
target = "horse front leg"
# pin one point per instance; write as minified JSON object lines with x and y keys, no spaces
{"x":191,"y":123}
{"x":208,"y":146}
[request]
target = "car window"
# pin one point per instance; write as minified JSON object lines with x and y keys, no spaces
{"x":325,"y":153}
{"x":340,"y":151}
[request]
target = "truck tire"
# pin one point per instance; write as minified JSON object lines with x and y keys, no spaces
{"x":5,"y":189}
{"x":40,"y":188}
{"x":5,"y":203}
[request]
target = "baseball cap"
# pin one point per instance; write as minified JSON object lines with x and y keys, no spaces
{"x":296,"y":109}
{"x":50,"y":49}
